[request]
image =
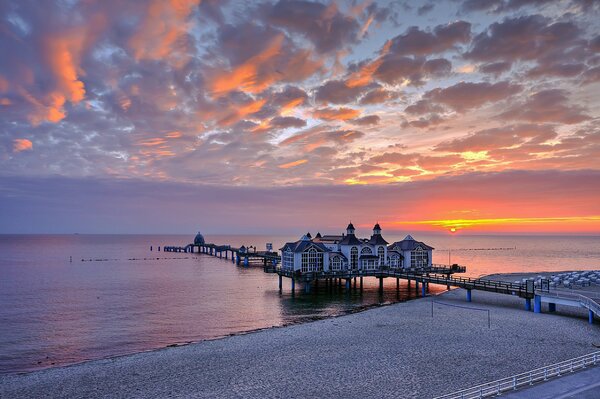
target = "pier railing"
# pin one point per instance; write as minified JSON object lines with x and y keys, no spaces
{"x":585,"y":301}
{"x":528,"y":378}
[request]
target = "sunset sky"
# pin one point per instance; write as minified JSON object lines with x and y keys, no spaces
{"x":481,"y":116}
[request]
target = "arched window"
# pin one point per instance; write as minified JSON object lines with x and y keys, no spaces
{"x":354,"y":258}
{"x":312,"y":261}
{"x":288,"y":259}
{"x":366,"y":251}
{"x":336,"y":263}
{"x":394,"y":260}
{"x":419,"y":258}
{"x":381,"y":254}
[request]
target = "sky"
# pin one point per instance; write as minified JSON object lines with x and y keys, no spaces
{"x":172,"y":116}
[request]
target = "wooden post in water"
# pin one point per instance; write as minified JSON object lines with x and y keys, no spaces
{"x":381,"y":285}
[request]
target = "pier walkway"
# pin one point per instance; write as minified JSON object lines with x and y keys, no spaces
{"x":436,"y":274}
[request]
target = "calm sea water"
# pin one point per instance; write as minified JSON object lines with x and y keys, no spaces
{"x":117,"y":297}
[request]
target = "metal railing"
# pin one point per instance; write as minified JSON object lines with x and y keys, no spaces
{"x":585,"y":301}
{"x":525,"y":379}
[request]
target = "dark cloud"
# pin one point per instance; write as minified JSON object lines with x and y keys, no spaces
{"x":378,"y":96}
{"x":500,"y":5}
{"x":337,"y":92}
{"x":422,"y":43}
{"x":495,"y":68}
{"x":550,"y":105}
{"x":425,"y":122}
{"x":437,"y":67}
{"x":366,"y":120}
{"x":283,"y":122}
{"x":396,"y":69}
{"x":467,"y":95}
{"x":425,"y":8}
{"x":504,"y":137}
{"x":531,"y":37}
{"x":560,"y":70}
{"x":325,"y":26}
{"x":423,"y":107}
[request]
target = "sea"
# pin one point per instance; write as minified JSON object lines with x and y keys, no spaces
{"x":66,"y":299}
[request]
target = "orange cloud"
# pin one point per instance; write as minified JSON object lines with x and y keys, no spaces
{"x":5,"y":101}
{"x":288,"y":107}
{"x":245,"y":77}
{"x":50,"y":109}
{"x":63,"y":56}
{"x":174,"y":135}
{"x":293,"y":164}
{"x":247,"y":109}
{"x":22,"y":145}
{"x":153,"y":142}
{"x":339,"y":114}
{"x":364,"y":75}
{"x":3,"y":84}
{"x":165,"y":24}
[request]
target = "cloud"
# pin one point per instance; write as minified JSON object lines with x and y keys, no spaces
{"x":531,"y":37}
{"x":502,"y":137}
{"x":560,"y":70}
{"x":417,"y":42}
{"x":467,"y":95}
{"x":337,"y":92}
{"x":163,"y":30}
{"x":366,"y":120}
{"x":286,"y":122}
{"x":378,"y":96}
{"x":258,"y":58}
{"x":423,"y":107}
{"x":495,"y":68}
{"x":324,"y":26}
{"x":22,"y":145}
{"x":293,"y":164}
{"x":549,"y":105}
{"x":336,"y":114}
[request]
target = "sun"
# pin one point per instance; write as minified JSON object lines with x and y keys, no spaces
{"x":452,"y":229}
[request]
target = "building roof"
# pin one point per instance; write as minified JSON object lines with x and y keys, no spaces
{"x":302,"y":245}
{"x":376,"y":227}
{"x":341,"y":255}
{"x":199,"y":239}
{"x":318,"y":235}
{"x":350,"y":239}
{"x":409,"y":244}
{"x":350,"y":226}
{"x":328,"y":239}
{"x":377,"y":239}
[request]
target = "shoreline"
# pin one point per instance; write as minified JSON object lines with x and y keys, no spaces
{"x":394,"y":345}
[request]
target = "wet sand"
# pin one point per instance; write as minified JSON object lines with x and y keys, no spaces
{"x":392,"y":351}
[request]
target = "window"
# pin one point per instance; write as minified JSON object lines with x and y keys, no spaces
{"x":288,"y":259}
{"x":354,"y":258}
{"x":336,"y":263}
{"x":312,"y":261}
{"x":393,"y":260}
{"x":381,"y":254}
{"x":366,"y":251}
{"x":419,"y":258}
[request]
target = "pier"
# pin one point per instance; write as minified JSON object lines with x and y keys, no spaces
{"x":240,"y":256}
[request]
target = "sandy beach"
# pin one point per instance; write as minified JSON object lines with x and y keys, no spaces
{"x":392,"y":351}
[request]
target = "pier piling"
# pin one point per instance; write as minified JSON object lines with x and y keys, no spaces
{"x":528,"y":304}
{"x":468,"y":295}
{"x":537,"y":304}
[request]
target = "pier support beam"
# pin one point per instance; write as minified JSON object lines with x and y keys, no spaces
{"x":590,"y":317}
{"x":307,"y":287}
{"x":551,"y":307}
{"x":280,"y":283}
{"x":468,"y":295}
{"x":348,"y":282}
{"x":381,"y":285}
{"x":537,"y":304}
{"x":416,"y":287}
{"x":424,"y":289}
{"x":293,"y":285}
{"x":361,"y":283}
{"x":246,"y":261}
{"x":528,"y":304}
{"x":397,"y":284}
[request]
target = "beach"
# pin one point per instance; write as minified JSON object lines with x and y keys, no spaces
{"x":398,"y":350}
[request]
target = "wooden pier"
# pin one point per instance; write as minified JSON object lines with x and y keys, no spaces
{"x":241,"y":256}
